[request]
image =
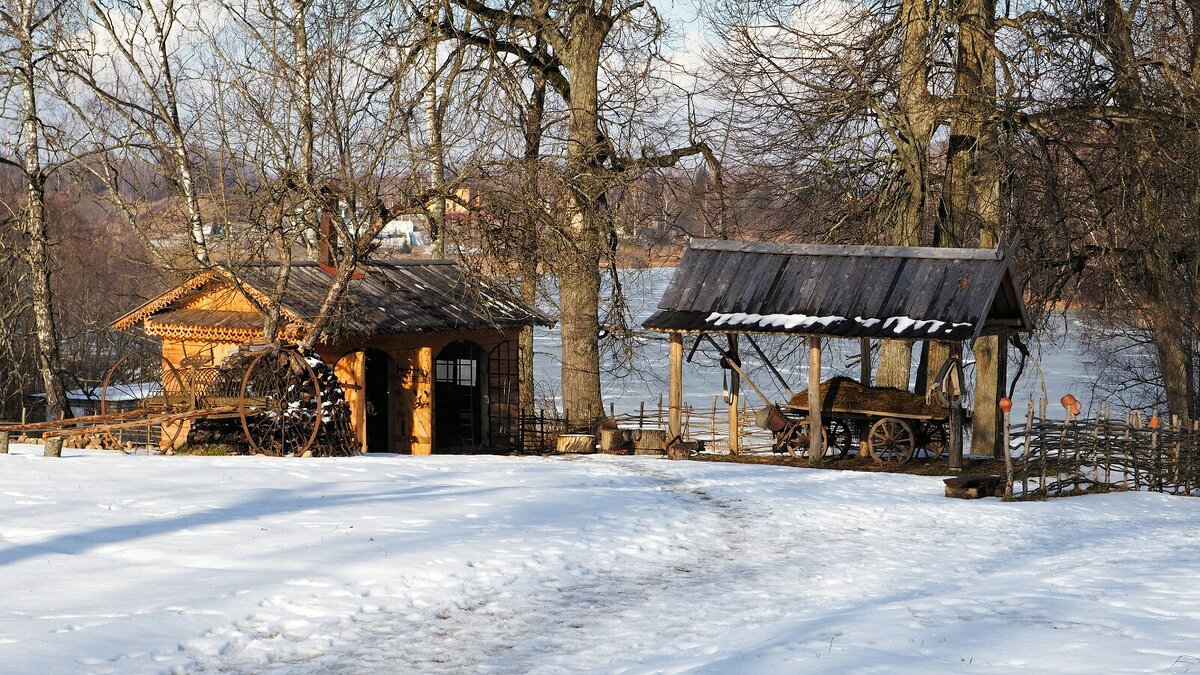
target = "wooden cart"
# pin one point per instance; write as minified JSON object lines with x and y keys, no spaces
{"x":270,"y":391}
{"x":891,"y":425}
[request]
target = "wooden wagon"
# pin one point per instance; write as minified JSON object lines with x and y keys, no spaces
{"x":274,"y":398}
{"x":889,"y":424}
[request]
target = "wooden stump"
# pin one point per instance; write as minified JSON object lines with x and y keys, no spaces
{"x":650,"y":442}
{"x":576,"y":443}
{"x":616,"y":441}
{"x":54,"y":447}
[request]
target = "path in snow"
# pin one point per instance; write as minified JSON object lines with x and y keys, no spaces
{"x":494,"y":564}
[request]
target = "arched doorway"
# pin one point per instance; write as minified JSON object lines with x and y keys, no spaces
{"x":377,"y":378}
{"x":458,"y":397}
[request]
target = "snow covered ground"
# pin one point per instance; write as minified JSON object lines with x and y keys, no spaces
{"x":113,"y":563}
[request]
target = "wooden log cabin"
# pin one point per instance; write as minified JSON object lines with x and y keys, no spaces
{"x":429,"y":354}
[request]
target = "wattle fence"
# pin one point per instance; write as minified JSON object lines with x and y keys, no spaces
{"x":1101,"y":452}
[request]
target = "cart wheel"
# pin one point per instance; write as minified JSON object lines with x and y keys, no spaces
{"x":891,"y":440}
{"x":794,"y":439}
{"x":166,"y":383}
{"x":280,"y":403}
{"x":839,"y":437}
{"x":935,"y":440}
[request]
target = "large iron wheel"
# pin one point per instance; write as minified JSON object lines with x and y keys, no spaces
{"x":280,"y":403}
{"x":891,"y":440}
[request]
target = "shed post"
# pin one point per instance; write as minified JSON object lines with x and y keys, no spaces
{"x":815,"y":440}
{"x":1001,"y":392}
{"x":956,"y":445}
{"x":864,"y":361}
{"x":735,"y":382}
{"x":675,"y":391}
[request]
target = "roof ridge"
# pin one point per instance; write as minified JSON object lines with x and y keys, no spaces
{"x":849,"y":250}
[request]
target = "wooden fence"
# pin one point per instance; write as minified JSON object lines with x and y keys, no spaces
{"x":1069,"y":455}
{"x":709,"y":424}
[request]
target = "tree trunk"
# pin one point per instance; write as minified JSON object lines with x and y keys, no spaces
{"x":532,"y":206}
{"x":36,"y":228}
{"x":579,"y":293}
{"x":304,"y":118}
{"x":1174,"y":363}
{"x":912,"y":135}
{"x":436,"y":156}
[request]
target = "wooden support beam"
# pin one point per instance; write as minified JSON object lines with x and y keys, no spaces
{"x":1002,"y":449}
{"x":774,"y":371}
{"x":675,"y":391}
{"x":956,"y":417}
{"x":815,"y":437}
{"x":864,"y":361}
{"x":735,"y":376}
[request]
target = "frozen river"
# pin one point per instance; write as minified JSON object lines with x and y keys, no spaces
{"x":1063,"y":364}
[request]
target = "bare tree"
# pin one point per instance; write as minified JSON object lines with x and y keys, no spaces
{"x":568,"y":43}
{"x":30,"y":36}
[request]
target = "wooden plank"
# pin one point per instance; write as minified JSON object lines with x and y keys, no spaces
{"x":144,"y":421}
{"x":735,"y":435}
{"x":869,"y":413}
{"x":74,"y":421}
{"x":816,"y":445}
{"x":674,"y":425}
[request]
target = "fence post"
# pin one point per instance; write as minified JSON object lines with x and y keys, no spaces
{"x":1005,"y":409}
{"x":1043,"y":450}
{"x":713,"y":421}
{"x":1025,"y":451}
{"x":3,"y":442}
{"x":641,"y":413}
{"x":1155,"y":455}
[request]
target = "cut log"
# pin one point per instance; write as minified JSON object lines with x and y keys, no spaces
{"x":576,"y":443}
{"x":973,"y":487}
{"x":650,"y":440}
{"x":617,"y":441}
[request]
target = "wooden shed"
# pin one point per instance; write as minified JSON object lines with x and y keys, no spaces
{"x":822,"y":291}
{"x":429,"y":354}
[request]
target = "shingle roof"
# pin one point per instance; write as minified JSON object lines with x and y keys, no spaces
{"x":845,"y":291}
{"x":387,"y":298}
{"x":392,"y":298}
